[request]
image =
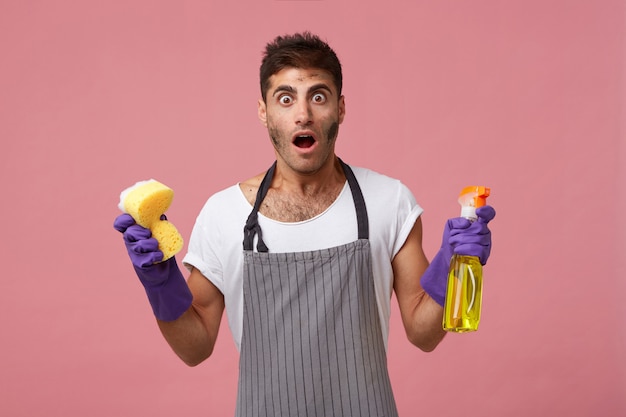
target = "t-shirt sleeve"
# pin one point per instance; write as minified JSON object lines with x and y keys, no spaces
{"x":203,"y":243}
{"x":407,"y":213}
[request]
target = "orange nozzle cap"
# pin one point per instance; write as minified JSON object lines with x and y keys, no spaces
{"x":477,"y":193}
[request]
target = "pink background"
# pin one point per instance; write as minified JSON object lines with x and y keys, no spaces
{"x":524,"y":96}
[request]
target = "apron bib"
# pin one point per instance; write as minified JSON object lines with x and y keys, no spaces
{"x":311,"y":342}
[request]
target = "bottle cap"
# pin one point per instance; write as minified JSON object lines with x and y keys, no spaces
{"x":471,"y":198}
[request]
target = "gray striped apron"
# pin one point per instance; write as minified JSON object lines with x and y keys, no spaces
{"x":312,"y":343}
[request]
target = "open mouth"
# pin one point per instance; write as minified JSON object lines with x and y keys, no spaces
{"x":304,"y":141}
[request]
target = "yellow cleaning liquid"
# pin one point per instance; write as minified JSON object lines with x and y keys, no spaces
{"x":464,"y":294}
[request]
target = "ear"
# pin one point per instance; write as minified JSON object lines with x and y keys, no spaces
{"x":262,"y":112}
{"x":342,"y":109}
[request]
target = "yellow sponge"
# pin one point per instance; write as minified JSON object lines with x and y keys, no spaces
{"x":146,"y":201}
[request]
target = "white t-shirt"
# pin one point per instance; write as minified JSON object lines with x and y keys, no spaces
{"x":216,"y":243}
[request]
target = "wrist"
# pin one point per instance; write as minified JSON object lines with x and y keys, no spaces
{"x":435,"y":279}
{"x":166,"y":288}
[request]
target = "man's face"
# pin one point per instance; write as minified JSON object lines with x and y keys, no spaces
{"x":302,"y":113}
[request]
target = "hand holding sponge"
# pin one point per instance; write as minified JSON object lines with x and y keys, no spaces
{"x":152,"y":242}
{"x":146,"y":202}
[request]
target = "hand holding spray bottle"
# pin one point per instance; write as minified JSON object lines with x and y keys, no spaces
{"x":464,"y":293}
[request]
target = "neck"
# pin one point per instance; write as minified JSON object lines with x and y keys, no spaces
{"x":328,"y":176}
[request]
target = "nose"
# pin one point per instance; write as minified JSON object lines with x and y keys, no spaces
{"x":303,"y":113}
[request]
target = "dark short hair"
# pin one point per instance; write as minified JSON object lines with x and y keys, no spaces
{"x":300,"y":50}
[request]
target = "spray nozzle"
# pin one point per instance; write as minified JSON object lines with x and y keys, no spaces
{"x":472,"y":197}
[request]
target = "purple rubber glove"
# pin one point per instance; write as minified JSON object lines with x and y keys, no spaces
{"x":165,"y":286}
{"x":461,"y":237}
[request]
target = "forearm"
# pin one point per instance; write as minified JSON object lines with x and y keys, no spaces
{"x":423,"y":323}
{"x":188,"y":312}
{"x":421,"y":315}
{"x":192,"y":336}
{"x":189,"y":337}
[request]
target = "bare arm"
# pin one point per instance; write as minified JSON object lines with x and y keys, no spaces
{"x":421,"y":315}
{"x":192,"y":336}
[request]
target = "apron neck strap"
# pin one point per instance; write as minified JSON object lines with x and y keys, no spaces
{"x":253,"y":228}
{"x":359,"y":202}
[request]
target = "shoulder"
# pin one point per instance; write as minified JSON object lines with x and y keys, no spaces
{"x":250,"y":187}
{"x":372,"y":176}
{"x":389,"y":201}
{"x":392,"y":209}
{"x":220,"y":220}
{"x":226,"y":202}
{"x":379,"y":186}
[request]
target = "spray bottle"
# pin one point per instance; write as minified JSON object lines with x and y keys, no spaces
{"x":465,"y":277}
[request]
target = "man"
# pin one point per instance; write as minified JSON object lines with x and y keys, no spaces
{"x":324,"y":244}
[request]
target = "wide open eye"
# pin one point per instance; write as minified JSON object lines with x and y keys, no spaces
{"x":319,"y":98}
{"x":285,"y":99}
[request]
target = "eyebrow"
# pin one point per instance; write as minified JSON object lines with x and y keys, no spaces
{"x":285,"y":88}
